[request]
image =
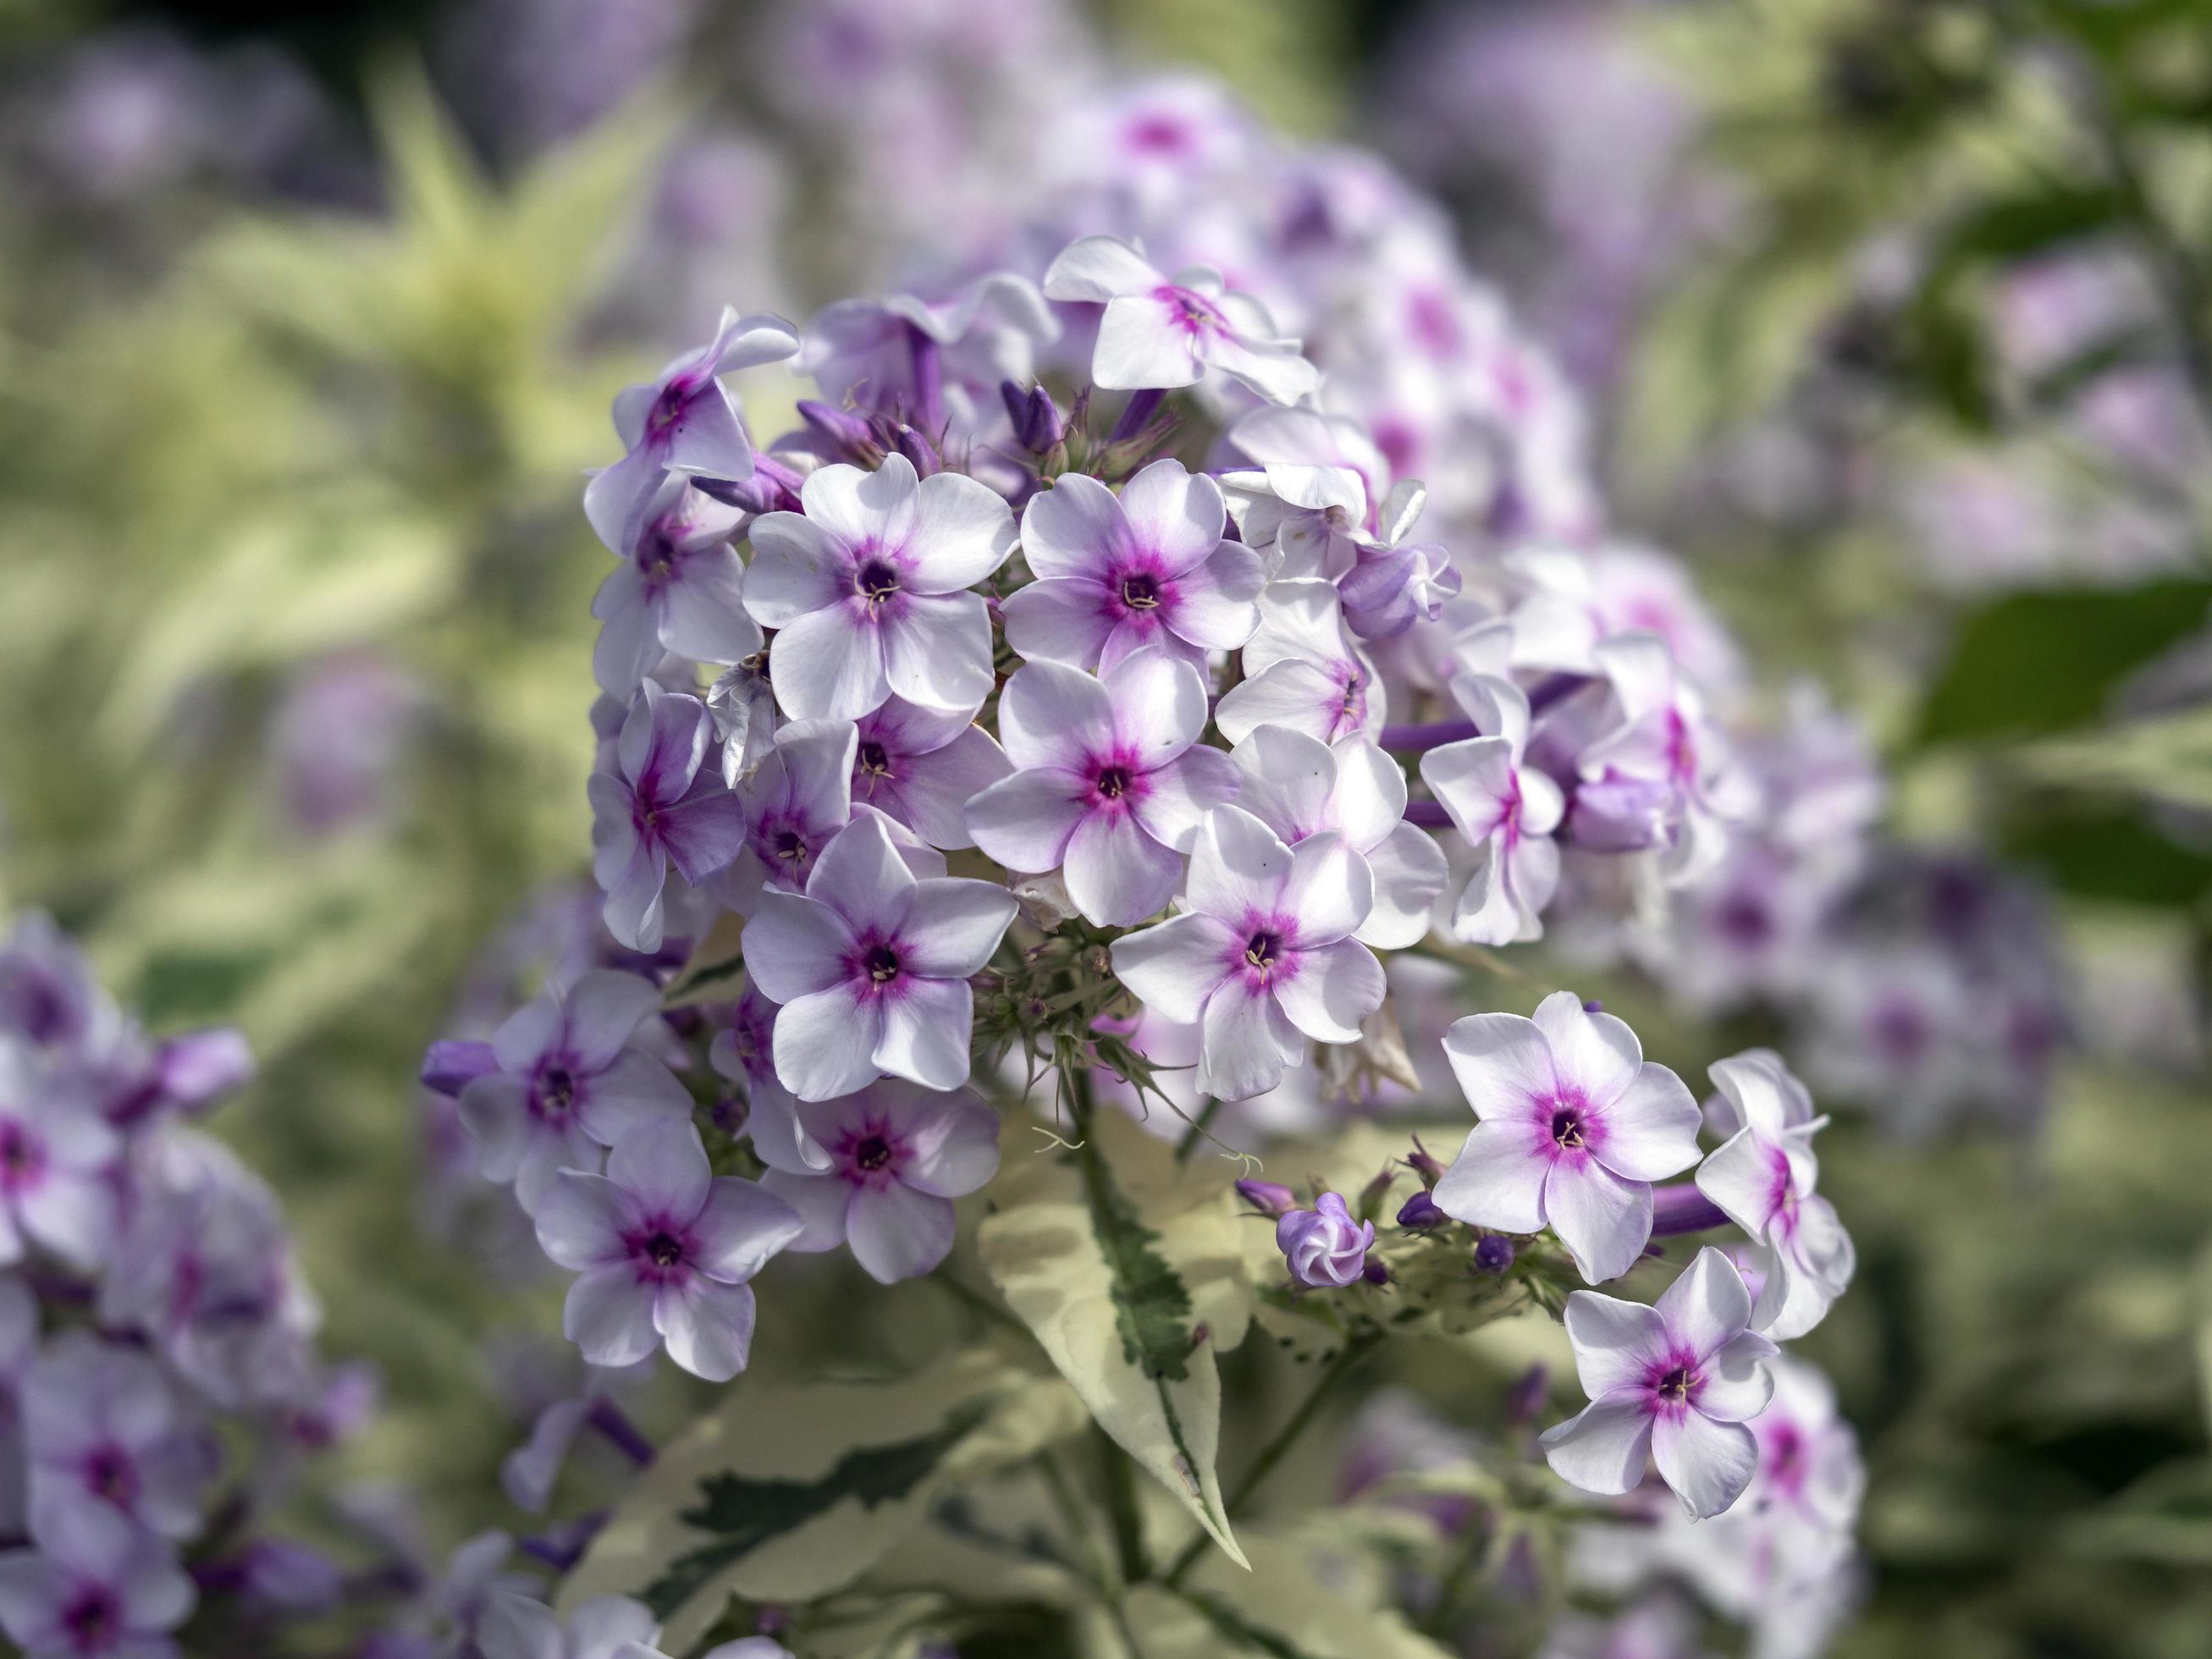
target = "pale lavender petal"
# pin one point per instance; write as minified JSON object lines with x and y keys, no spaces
{"x":862,"y":877}
{"x":1245,"y":1042}
{"x":899,"y":1232}
{"x":963,"y":531}
{"x":1329,"y":890}
{"x":1740,"y":1178}
{"x":1707,"y":1463}
{"x":1651,"y":1128}
{"x":1074,"y":528}
{"x":708,"y":1325}
{"x":1596,"y":1052}
{"x":1173,"y":967}
{"x":604,"y":1008}
{"x":664,"y":1167}
{"x":1237,"y":866}
{"x":1739,"y":1383}
{"x":825,"y":665}
{"x":952,"y":1143}
{"x":794,"y":572}
{"x":1175,"y":514}
{"x":825,"y":1042}
{"x":1051,"y":714}
{"x":1605,"y":1222}
{"x":609,"y":1315}
{"x":1602,"y":1448}
{"x":1025,"y":820}
{"x":1409,"y":870}
{"x":1178,"y":795}
{"x":819,"y":1202}
{"x":1118,"y":874}
{"x":937,"y":649}
{"x":856,"y":506}
{"x":1497,"y":1181}
{"x":742,"y":1224}
{"x":1501,"y":1062}
{"x":795,"y":946}
{"x":1707,"y":1306}
{"x":953,"y":926}
{"x":1217,"y":601}
{"x":925,"y":1032}
{"x":1062,"y":620}
{"x":1335,"y":988}
{"x":1158,"y":704}
{"x":1616,"y":1343}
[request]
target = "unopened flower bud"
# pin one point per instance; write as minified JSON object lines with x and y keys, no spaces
{"x":1494,"y":1253}
{"x":449,"y":1065}
{"x":1325,"y":1248}
{"x":1375,"y":1274}
{"x":1268,"y":1197}
{"x":1525,"y":1399}
{"x":1037,"y":419}
{"x":919,"y":450}
{"x":1420,"y":1212}
{"x":848,"y":434}
{"x":1423,"y":1163}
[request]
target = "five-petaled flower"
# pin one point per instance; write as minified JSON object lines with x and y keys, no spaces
{"x":1161,"y":331}
{"x":870,"y":966}
{"x":657,"y":806}
{"x":1112,"y":781}
{"x":680,"y":587}
{"x":1262,"y":957}
{"x":898,"y":1156}
{"x":1116,"y":573}
{"x":867,"y":589}
{"x":569,"y":1081}
{"x":663,"y":1249}
{"x":1762,"y":1179}
{"x":1677,"y":1380}
{"x":1575,"y":1127}
{"x":686,"y":422}
{"x":920,"y":767}
{"x":1301,"y":670}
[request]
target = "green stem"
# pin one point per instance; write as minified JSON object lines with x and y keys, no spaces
{"x":1122,"y":1507}
{"x":1355,"y":1350}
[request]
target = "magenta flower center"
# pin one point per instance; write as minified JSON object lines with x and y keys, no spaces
{"x":882,"y":964}
{"x":1674,"y":1387}
{"x":93,"y":1617}
{"x":21,"y":1156}
{"x":1264,"y":950}
{"x":1113,"y":782}
{"x":1140,"y":592}
{"x":556,"y":1089}
{"x":1190,"y":312}
{"x":668,"y":407}
{"x":663,"y":1251}
{"x":108,"y":1473}
{"x":871,"y":1154}
{"x":876,"y":582}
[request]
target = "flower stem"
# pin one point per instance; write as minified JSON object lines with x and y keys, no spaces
{"x":1347,"y":1357}
{"x":612,"y":1421}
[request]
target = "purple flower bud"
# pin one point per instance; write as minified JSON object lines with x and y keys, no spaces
{"x":774,"y":487}
{"x":201,"y":1066}
{"x":1037,"y":418}
{"x":1494,"y":1253}
{"x":448,"y":1067}
{"x":1325,"y":1248}
{"x":1420,"y":1212}
{"x":1423,"y":1164}
{"x":919,"y":450}
{"x":1268,"y":1197}
{"x":1375,"y":1274}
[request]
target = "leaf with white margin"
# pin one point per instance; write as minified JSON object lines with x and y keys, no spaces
{"x":1129,"y":1269}
{"x":1302,"y":1600}
{"x":785,"y":1492}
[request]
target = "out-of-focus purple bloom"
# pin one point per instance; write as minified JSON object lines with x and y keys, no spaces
{"x":659,"y":805}
{"x":679,"y":587}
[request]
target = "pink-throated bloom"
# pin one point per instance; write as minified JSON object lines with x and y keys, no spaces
{"x":920,"y":767}
{"x":686,"y":421}
{"x":1116,"y":573}
{"x":870,"y":966}
{"x":603,"y":1627}
{"x":1676,"y":1381}
{"x":1325,"y":1248}
{"x":659,"y":805}
{"x":1161,"y":331}
{"x":798,"y":797}
{"x":113,"y":1593}
{"x":112,"y":1445}
{"x":1299,"y":786}
{"x":680,"y":587}
{"x":1262,"y":956}
{"x":1111,"y":782}
{"x":867,"y":590}
{"x":1762,"y":1178}
{"x":1505,"y":810}
{"x":1575,"y":1124}
{"x":1301,"y":670}
{"x":898,"y":1156}
{"x":569,"y":1082}
{"x":663,"y":1249}
{"x":55,"y":1157}
{"x":744,"y":1052}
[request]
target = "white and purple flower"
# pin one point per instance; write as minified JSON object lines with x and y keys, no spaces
{"x":112,"y":1445}
{"x":1675,"y":1381}
{"x":1111,"y":784}
{"x":1504,"y":809}
{"x":1324,"y":1247}
{"x":1575,"y":1124}
{"x":1117,"y":574}
{"x":871,"y":965}
{"x":867,"y":590}
{"x":680,"y":587}
{"x":897,"y":1156}
{"x":1161,"y":332}
{"x":920,"y":767}
{"x":1763,"y":1178}
{"x":686,"y":421}
{"x":656,"y":804}
{"x":1262,"y":956}
{"x":663,"y":1249}
{"x":1301,"y":670}
{"x":114,"y":1593}
{"x":569,"y":1081}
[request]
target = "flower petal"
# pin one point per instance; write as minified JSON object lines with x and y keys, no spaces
{"x":953,"y":925}
{"x":1497,"y":1181}
{"x":1707,"y":1306}
{"x":1601,"y":1448}
{"x":1501,"y":1062}
{"x":925,"y":1032}
{"x":1173,"y":967}
{"x":1595,"y":1053}
{"x":1616,"y":1343}
{"x":899,"y":1231}
{"x":609,"y":1315}
{"x":826,"y":666}
{"x":795,"y":946}
{"x":825,"y":1040}
{"x":1605,"y":1222}
{"x":1335,"y":988}
{"x":937,"y":650}
{"x":1117,"y":873}
{"x":708,"y":1325}
{"x":1707,"y":1463}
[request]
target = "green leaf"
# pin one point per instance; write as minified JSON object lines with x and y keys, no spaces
{"x":1127,"y":1269}
{"x":1301,"y":1600}
{"x":787,"y":1492}
{"x":2040,"y":662}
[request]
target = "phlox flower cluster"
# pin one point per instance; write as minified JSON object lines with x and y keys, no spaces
{"x":1140,"y":640}
{"x":160,"y":1384}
